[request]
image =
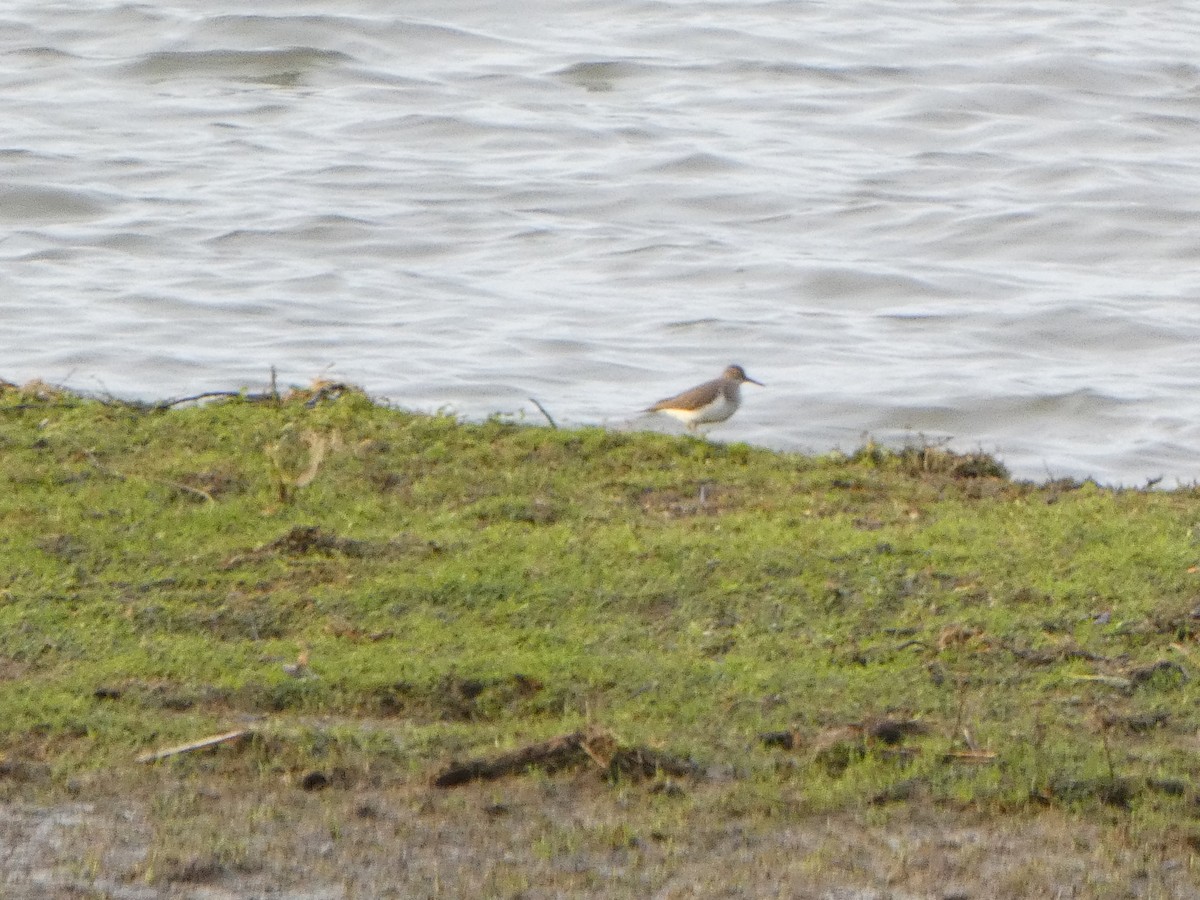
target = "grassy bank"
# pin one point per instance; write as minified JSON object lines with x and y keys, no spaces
{"x":374,"y":595}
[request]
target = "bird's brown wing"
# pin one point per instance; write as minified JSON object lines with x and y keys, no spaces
{"x":692,"y":399}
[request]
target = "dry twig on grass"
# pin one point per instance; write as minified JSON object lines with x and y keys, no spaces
{"x":113,"y":473}
{"x":969,"y":756}
{"x":192,"y":746}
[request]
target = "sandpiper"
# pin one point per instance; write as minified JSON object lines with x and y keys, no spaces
{"x":713,"y":401}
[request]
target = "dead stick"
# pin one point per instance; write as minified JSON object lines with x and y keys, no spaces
{"x":969,"y":756}
{"x":167,"y":404}
{"x":194,"y":745}
{"x":553,"y":424}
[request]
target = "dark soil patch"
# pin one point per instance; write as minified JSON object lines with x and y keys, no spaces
{"x":579,"y":748}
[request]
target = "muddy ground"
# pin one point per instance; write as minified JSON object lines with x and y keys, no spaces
{"x":565,"y":836}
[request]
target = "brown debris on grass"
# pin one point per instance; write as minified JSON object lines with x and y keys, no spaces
{"x":937,"y":460}
{"x":305,"y":540}
{"x":1048,"y":656}
{"x":883,"y":730}
{"x":1136,"y":723}
{"x":596,"y":745}
{"x":36,"y":393}
{"x":1111,"y":791}
{"x":926,"y":459}
{"x":957,"y":635}
{"x":1165,"y":670}
{"x":552,"y":755}
{"x":837,"y":748}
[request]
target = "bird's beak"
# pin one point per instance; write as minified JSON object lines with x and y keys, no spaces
{"x":755,"y":381}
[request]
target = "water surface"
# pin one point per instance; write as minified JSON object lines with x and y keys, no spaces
{"x":970,"y":222}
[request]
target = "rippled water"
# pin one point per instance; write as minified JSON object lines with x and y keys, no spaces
{"x":970,"y":221}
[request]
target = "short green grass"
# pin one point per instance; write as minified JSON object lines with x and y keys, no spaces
{"x":460,"y":589}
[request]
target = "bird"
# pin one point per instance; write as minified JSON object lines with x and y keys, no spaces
{"x":713,"y":401}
